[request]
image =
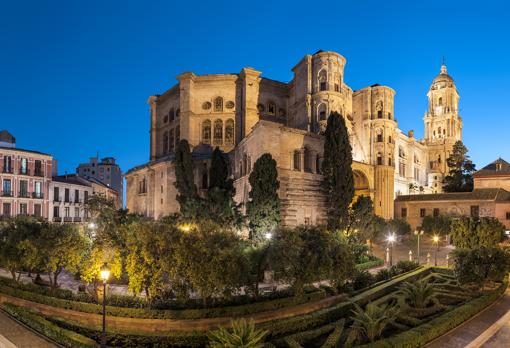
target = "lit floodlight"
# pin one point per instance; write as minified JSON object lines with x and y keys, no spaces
{"x":268,"y":235}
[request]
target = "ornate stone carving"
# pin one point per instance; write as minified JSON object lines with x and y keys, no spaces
{"x":230,"y":104}
{"x":206,"y":105}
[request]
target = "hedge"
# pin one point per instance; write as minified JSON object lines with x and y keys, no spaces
{"x":421,"y":335}
{"x":230,"y":311}
{"x":62,"y":336}
{"x":370,"y":264}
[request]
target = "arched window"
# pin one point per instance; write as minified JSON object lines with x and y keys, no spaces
{"x":308,"y":160}
{"x":165,"y":142}
{"x":218,"y":104}
{"x":323,"y":80}
{"x":440,"y":101}
{"x":218,"y":132}
{"x":380,"y":138}
{"x":379,"y":159}
{"x":171,"y":115}
{"x":389,"y":139}
{"x":229,"y":132}
{"x":271,"y":108}
{"x":177,"y":134}
{"x":390,"y":161}
{"x":206,"y":132}
{"x":322,"y":112}
{"x":177,"y":113}
{"x":297,"y":160}
{"x":171,"y":141}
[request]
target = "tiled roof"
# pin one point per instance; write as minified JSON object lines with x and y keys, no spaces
{"x":494,"y":194}
{"x":23,"y":150}
{"x":7,"y":137}
{"x":492,"y":168}
{"x":71,"y":179}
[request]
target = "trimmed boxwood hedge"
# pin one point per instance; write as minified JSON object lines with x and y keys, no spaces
{"x":232,"y":311}
{"x":370,"y":264}
{"x":421,"y":335}
{"x":60,"y":335}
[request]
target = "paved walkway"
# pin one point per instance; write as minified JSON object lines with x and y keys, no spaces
{"x":401,"y":250}
{"x":465,"y":334}
{"x":13,"y":334}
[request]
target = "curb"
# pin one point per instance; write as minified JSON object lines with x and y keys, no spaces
{"x":487,"y":334}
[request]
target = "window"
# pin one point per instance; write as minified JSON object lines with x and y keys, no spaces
{"x":218,"y":104}
{"x":7,"y":164}
{"x":379,"y":159}
{"x":508,"y":215}
{"x":389,"y":139}
{"x":297,"y":160}
{"x":436,"y":212}
{"x":66,"y":195}
{"x":23,"y":188}
{"x":37,"y":189}
{"x":337,"y":87}
{"x":171,"y":115}
{"x":379,"y":114}
{"x":165,"y":142}
{"x":76,"y":196}
{"x":323,"y":80}
{"x":56,"y":211}
{"x":389,"y":115}
{"x":379,"y":138}
{"x":177,"y":113}
{"x":67,"y":212}
{"x":475,"y":211}
{"x":76,"y":212}
{"x":390,"y":161}
{"x":37,"y":168}
{"x":171,"y":141}
{"x":322,"y":112}
{"x":218,"y":132}
{"x":417,"y":174}
{"x":402,"y":169}
{"x":37,"y":210}
{"x":85,"y":196}
{"x":24,"y":166}
{"x":307,"y":160}
{"x":206,"y":132}
{"x":142,"y":186}
{"x":404,"y":212}
{"x":23,"y":209}
{"x":6,"y":212}
{"x":440,"y":101}
{"x":229,"y":132}
{"x":7,"y":192}
{"x":56,"y":194}
{"x":423,"y":212}
{"x":323,"y":86}
{"x":271,"y":108}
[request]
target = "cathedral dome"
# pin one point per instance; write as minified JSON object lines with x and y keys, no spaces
{"x":442,"y":79}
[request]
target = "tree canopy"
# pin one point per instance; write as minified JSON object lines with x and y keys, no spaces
{"x":473,"y":233}
{"x":461,"y":168}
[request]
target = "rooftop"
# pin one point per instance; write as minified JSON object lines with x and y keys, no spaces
{"x":496,"y":168}
{"x":23,"y":150}
{"x":491,"y":194}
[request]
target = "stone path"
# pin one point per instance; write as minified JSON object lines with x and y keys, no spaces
{"x":465,"y":334}
{"x":13,"y":334}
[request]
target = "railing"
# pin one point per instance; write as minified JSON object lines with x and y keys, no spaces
{"x":57,"y":219}
{"x":8,"y":171}
{"x":38,"y":172}
{"x":68,"y":219}
{"x":23,"y":194}
{"x":7,"y":193}
{"x":77,"y":219}
{"x":26,"y":171}
{"x":56,"y":199}
{"x":38,"y":195}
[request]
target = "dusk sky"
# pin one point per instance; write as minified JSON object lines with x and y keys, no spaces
{"x":75,"y":75}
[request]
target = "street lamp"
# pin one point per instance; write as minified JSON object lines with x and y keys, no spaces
{"x":391,"y":239}
{"x":185,"y":227}
{"x":268,"y":236}
{"x":436,"y":242}
{"x":418,"y":234}
{"x":105,"y":274}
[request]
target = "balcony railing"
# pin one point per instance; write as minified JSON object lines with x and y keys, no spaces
{"x":38,"y":172}
{"x":57,"y":219}
{"x":8,"y":170}
{"x":68,"y":219}
{"x":38,"y":195}
{"x":77,"y":219}
{"x":6,"y":193}
{"x":24,"y":171}
{"x":23,"y":194}
{"x":56,"y":199}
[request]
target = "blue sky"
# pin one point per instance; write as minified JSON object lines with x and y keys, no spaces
{"x":75,"y":75}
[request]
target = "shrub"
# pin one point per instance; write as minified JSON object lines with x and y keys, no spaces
{"x":370,"y":324}
{"x":62,"y":336}
{"x":242,"y":334}
{"x":406,"y":266}
{"x":418,"y":294}
{"x":362,"y":279}
{"x":480,"y":266}
{"x":370,"y":264}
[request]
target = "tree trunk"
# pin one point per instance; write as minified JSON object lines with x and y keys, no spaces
{"x":13,"y":274}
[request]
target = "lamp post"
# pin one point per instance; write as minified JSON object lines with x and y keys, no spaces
{"x":391,"y":240}
{"x":418,"y":234}
{"x":105,"y":274}
{"x":436,"y":243}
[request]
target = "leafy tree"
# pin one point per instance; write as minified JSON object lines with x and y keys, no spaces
{"x":99,"y":253}
{"x":440,"y":225}
{"x":461,"y":168}
{"x":419,"y":294}
{"x":184,"y":180}
{"x":481,"y":266}
{"x":243,"y":334}
{"x":473,"y":233}
{"x":306,"y":254}
{"x":263,"y":209}
{"x":399,"y":226}
{"x":363,"y":224}
{"x":338,"y":179}
{"x":370,"y":324}
{"x":62,"y":247}
{"x":220,"y":196}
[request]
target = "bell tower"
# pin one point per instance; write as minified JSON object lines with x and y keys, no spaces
{"x":443,"y":126}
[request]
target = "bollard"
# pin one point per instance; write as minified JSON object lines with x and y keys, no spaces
{"x":447,"y":260}
{"x":387,"y":255}
{"x":428,"y":259}
{"x":410,"y":255}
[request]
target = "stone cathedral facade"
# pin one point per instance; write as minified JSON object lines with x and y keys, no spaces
{"x":247,"y":115}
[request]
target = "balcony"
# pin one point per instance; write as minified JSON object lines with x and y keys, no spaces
{"x":57,"y":219}
{"x":24,"y":171}
{"x":77,"y":219}
{"x":57,"y":199}
{"x":8,"y":171}
{"x":38,"y":172}
{"x":68,"y":219}
{"x":6,"y":194}
{"x":23,"y":194}
{"x":38,"y":195}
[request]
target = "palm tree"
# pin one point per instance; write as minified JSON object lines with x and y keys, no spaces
{"x":243,"y":335}
{"x":419,"y":294}
{"x":369,"y":324}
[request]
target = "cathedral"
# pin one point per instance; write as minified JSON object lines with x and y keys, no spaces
{"x":247,"y":115}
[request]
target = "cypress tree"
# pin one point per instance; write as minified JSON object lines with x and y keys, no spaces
{"x":184,"y":180}
{"x":337,"y":170}
{"x":218,"y":173}
{"x":263,"y":209}
{"x":461,"y":168}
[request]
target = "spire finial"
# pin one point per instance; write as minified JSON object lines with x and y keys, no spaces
{"x":443,"y":67}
